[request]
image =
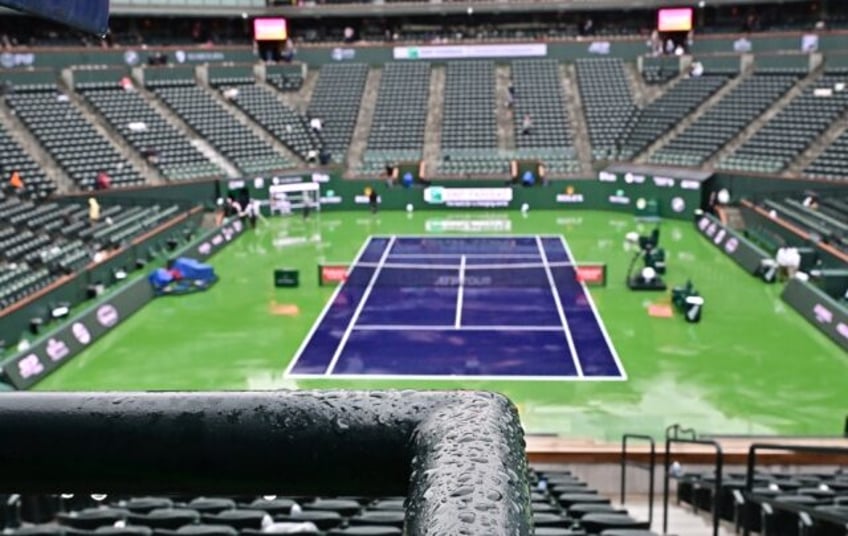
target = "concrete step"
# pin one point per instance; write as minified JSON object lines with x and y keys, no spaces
{"x":506,"y":132}
{"x":359,"y":139}
{"x":579,"y":127}
{"x":18,"y":132}
{"x":433,"y":128}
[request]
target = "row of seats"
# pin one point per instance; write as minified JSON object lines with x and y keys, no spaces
{"x":335,"y":101}
{"x":832,"y":164}
{"x":785,"y":136}
{"x":469,"y":122}
{"x":710,"y":132}
{"x":249,"y":153}
{"x":71,"y":140}
{"x":400,"y":116}
{"x":607,"y":102}
{"x":562,"y":505}
{"x":539,"y":95}
{"x":148,"y":133}
{"x":14,"y":158}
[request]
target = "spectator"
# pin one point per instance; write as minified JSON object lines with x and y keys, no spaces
{"x":16,"y":183}
{"x":127,"y":84}
{"x":103,"y":181}
{"x":373,"y":199}
{"x":408,"y":180}
{"x":93,"y":210}
{"x":316,"y":125}
{"x":528,"y":179}
{"x":697,"y":69}
{"x":151,"y":154}
{"x":526,"y":124}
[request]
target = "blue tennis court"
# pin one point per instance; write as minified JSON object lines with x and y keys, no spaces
{"x":460,"y":307}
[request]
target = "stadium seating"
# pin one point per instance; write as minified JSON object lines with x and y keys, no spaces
{"x":661,"y":115}
{"x":73,"y":142}
{"x":13,"y":157}
{"x":210,"y":119}
{"x":397,"y":130}
{"x":336,"y":100}
{"x":539,"y":94}
{"x":127,"y":111}
{"x":562,"y":505}
{"x":818,"y":492}
{"x":607,"y":102}
{"x":286,"y":81}
{"x":288,"y":126}
{"x":832,"y":164}
{"x":658,"y":74}
{"x":469,"y":128}
{"x":726,"y":119}
{"x":792,"y":130}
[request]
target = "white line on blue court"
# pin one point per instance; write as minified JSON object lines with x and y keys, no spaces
{"x":468,"y":255}
{"x":598,"y":318}
{"x":560,"y":309}
{"x":421,"y":327}
{"x":324,"y":312}
{"x":359,"y":307}
{"x":458,"y":377}
{"x":459,"y":291}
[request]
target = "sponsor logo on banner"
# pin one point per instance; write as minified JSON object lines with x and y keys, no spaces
{"x":57,"y":350}
{"x":320,"y":177}
{"x":719,"y":237}
{"x":619,"y":198}
{"x":333,"y":274}
{"x":732,"y":245}
{"x":107,"y":315}
{"x":605,"y":176}
{"x":630,"y":178}
{"x":236,"y":185}
{"x":198,"y":57}
{"x":330,"y":198}
{"x":9,"y":60}
{"x":363,"y":200}
{"x":600,"y":47}
{"x":468,"y":197}
{"x":593,"y":275}
{"x":690,"y":185}
{"x":703,"y":223}
{"x":286,"y":180}
{"x":204,"y":248}
{"x":569,"y":196}
{"x":742,"y":45}
{"x":449,"y":52}
{"x":343,"y":54}
{"x":81,"y":333}
{"x":842,"y":329}
{"x":131,"y":57}
{"x":678,"y":204}
{"x":441,"y":225}
{"x":664,"y":182}
{"x":30,"y":366}
{"x":823,"y":314}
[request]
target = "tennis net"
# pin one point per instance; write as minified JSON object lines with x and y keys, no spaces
{"x":441,"y":275}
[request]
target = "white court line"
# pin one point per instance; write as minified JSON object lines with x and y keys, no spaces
{"x":359,"y":307}
{"x":418,"y":327}
{"x":469,"y":255}
{"x":324,"y":311}
{"x":458,"y":377}
{"x":597,"y":315}
{"x":560,"y":309}
{"x":458,"y":322}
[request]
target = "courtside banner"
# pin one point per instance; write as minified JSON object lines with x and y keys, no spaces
{"x":89,"y":15}
{"x":468,"y":197}
{"x":819,"y":309}
{"x":458,"y":52}
{"x":746,"y":254}
{"x":34,"y":364}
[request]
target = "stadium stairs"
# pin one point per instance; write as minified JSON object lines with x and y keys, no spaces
{"x":436,"y":106}
{"x":577,"y":116}
{"x":506,"y":132}
{"x":819,"y":146}
{"x":299,"y":100}
{"x":692,"y":117}
{"x":748,"y":132}
{"x":643,"y":93}
{"x":245,"y":120}
{"x":19,"y":133}
{"x":196,"y":139}
{"x":364,"y":120}
{"x":150,"y":173}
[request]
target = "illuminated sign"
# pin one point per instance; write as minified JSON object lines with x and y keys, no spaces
{"x":468,"y":197}
{"x":270,"y":30}
{"x":453,"y":52}
{"x":674,"y":19}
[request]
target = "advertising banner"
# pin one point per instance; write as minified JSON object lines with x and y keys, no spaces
{"x":31,"y":366}
{"x":456,"y":52}
{"x":746,"y":254}
{"x":819,"y":309}
{"x":468,"y":197}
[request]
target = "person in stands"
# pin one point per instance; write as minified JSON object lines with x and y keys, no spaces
{"x":103,"y":181}
{"x":526,"y":124}
{"x":16,"y":183}
{"x":93,"y":210}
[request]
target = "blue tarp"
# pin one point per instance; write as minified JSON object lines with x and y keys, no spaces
{"x":89,"y":15}
{"x":193,"y":269}
{"x":184,"y":276}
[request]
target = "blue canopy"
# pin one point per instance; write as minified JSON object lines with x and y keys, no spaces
{"x":89,"y":15}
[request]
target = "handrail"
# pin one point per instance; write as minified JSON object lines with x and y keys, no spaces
{"x":674,"y":431}
{"x":752,"y":461}
{"x":719,"y":467}
{"x":651,"y":469}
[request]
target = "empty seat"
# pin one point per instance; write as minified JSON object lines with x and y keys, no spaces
{"x":165,"y":518}
{"x":211,"y":505}
{"x":601,"y":522}
{"x":322,"y":519}
{"x":238,"y":519}
{"x":345,"y":507}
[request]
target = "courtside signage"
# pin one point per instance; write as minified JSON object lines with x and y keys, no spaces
{"x":454,"y":52}
{"x":468,"y":197}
